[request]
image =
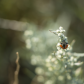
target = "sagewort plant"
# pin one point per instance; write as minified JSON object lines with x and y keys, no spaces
{"x":61,"y":66}
{"x":62,"y":63}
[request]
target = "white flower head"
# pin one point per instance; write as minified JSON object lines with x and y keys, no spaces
{"x":60,"y":35}
{"x":57,"y":31}
{"x":61,"y":28}
{"x":53,"y":59}
{"x":58,"y":47}
{"x":58,"y":44}
{"x":59,"y":56}
{"x":50,"y":57}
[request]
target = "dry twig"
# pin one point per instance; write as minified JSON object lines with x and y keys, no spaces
{"x":17,"y":69}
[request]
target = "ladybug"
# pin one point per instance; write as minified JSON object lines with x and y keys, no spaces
{"x":63,"y":44}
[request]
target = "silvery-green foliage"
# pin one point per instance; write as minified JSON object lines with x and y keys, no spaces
{"x":57,"y":67}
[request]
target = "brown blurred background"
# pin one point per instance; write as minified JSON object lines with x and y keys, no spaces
{"x":15,"y":18}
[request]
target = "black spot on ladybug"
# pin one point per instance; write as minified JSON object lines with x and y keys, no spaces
{"x":64,"y":45}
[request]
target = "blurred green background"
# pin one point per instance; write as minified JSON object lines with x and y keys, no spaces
{"x":24,"y":27}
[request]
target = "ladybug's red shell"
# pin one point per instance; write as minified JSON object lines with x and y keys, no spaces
{"x":63,"y":45}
